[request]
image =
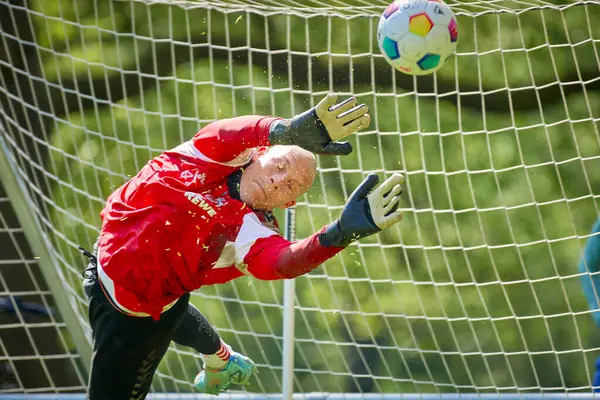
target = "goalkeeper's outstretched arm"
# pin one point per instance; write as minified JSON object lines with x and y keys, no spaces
{"x":318,"y":130}
{"x":367,"y":211}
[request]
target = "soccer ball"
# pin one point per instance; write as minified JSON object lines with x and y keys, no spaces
{"x":417,"y":37}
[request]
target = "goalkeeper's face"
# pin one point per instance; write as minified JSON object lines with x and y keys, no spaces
{"x":277,"y":176}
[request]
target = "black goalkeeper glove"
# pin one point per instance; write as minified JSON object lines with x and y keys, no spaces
{"x":366,"y":213}
{"x":318,"y":129}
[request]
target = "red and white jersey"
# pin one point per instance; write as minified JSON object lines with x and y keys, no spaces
{"x":175,"y":227}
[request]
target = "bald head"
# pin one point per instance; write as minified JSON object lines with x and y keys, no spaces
{"x":277,"y":176}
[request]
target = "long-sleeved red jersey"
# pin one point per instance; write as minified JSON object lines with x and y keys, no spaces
{"x":175,"y":226}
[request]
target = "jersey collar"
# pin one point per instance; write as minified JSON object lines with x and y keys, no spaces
{"x":233,"y":184}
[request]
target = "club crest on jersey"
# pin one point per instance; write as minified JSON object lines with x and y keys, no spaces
{"x":219,"y":201}
{"x":194,"y":176}
{"x":201,"y":202}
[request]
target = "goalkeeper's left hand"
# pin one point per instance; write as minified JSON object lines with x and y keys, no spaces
{"x":318,"y":129}
{"x":366,"y":213}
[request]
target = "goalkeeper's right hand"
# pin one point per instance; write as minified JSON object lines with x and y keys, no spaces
{"x":319,"y":129}
{"x":366,"y":213}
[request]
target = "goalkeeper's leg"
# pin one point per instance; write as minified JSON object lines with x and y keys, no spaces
{"x":222,"y":366}
{"x":126,"y":349}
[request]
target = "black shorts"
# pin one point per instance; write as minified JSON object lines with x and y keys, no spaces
{"x":126,"y":349}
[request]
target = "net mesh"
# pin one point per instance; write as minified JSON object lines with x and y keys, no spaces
{"x":477,"y":290}
{"x":35,"y":350}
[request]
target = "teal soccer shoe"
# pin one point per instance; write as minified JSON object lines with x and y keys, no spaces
{"x":238,"y":371}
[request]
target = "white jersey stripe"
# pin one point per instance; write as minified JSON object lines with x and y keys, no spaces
{"x":251,"y":230}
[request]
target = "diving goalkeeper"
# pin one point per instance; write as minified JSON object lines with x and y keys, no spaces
{"x":200,"y":214}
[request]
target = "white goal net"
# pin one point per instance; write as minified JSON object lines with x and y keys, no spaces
{"x":476,"y":291}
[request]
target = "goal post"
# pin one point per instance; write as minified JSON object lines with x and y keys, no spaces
{"x":477,"y":292}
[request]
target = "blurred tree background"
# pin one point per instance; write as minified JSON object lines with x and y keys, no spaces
{"x":476,"y":290}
